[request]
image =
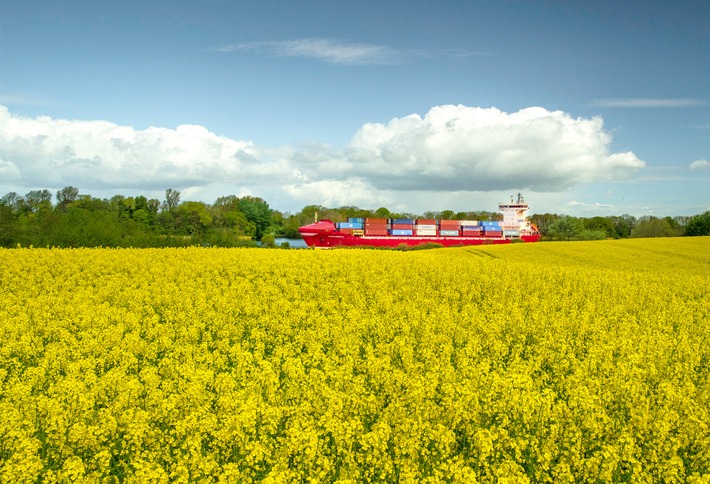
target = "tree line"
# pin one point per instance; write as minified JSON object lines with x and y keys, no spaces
{"x":70,"y":219}
{"x":563,"y":227}
{"x":77,"y":220}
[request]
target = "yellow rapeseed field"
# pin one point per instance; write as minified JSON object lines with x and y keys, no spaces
{"x":551,"y":362}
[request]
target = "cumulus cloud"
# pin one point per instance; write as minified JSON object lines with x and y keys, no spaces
{"x":699,"y":165}
{"x":328,"y":50}
{"x":464,"y":148}
{"x":93,"y":154}
{"x":449,"y":150}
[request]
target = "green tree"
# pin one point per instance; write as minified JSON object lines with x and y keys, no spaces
{"x":600,"y":224}
{"x":699,"y":225}
{"x":382,"y":212}
{"x":268,"y":240}
{"x":623,"y":225}
{"x":229,"y":203}
{"x":39,"y":200}
{"x":92,"y":204}
{"x":226,"y":214}
{"x":66,"y":196}
{"x":13,"y":200}
{"x":258,"y":212}
{"x":142,"y":211}
{"x":652,"y":227}
{"x":544,"y":221}
{"x":8,"y":227}
{"x":566,"y":228}
{"x":446,"y":215}
{"x":192,"y":218}
{"x":172,"y":200}
{"x":126,"y":207}
{"x":80,"y":227}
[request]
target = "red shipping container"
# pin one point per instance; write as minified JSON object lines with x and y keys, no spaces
{"x":369,"y":231}
{"x":426,"y":221}
{"x":402,"y":226}
{"x":371,"y":220}
{"x":471,"y":233}
{"x":377,"y":226}
{"x":449,"y":223}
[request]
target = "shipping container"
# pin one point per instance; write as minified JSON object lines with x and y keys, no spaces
{"x":407,"y":221}
{"x":470,"y":227}
{"x":356,"y":220}
{"x":349,"y":225}
{"x":400,"y":232}
{"x":426,"y":221}
{"x":471,"y":233}
{"x":377,"y":226}
{"x":491,"y":223}
{"x":401,"y":227}
{"x":371,"y":220}
{"x":470,"y":223}
{"x":449,"y":223}
{"x":448,"y":233}
{"x":511,"y":233}
{"x":426,"y":232}
{"x":425,"y":226}
{"x":369,"y":231}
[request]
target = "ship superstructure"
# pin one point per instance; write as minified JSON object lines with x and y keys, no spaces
{"x":515,"y":222}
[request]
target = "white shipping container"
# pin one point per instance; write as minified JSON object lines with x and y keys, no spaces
{"x":471,"y":223}
{"x":426,"y":226}
{"x":425,"y":231}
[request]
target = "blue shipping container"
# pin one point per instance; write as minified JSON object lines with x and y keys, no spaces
{"x":448,"y":233}
{"x":356,"y":220}
{"x":401,"y":232}
{"x":349,"y":225}
{"x":403,"y":221}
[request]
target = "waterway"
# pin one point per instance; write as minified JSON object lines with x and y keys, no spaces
{"x":293,"y":243}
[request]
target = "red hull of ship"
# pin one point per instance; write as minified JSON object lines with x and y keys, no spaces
{"x":323,"y":234}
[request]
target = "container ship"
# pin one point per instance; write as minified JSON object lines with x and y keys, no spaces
{"x":393,"y":232}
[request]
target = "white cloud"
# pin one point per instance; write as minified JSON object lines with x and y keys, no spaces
{"x":464,"y":148}
{"x":648,"y":102}
{"x":699,"y":165}
{"x":448,"y":153}
{"x":95,"y":154}
{"x":575,"y":203}
{"x":328,"y":50}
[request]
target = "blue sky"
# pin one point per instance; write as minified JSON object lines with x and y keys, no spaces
{"x":588,"y":108}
